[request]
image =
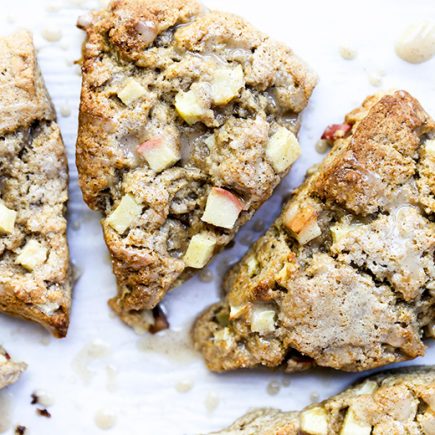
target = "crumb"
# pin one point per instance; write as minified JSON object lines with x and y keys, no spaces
{"x":314,"y":397}
{"x":43,"y":412}
{"x":322,"y":146}
{"x":211,"y":401}
{"x":20,"y":430}
{"x":184,"y":386}
{"x":273,"y":388}
{"x":52,"y":34}
{"x":348,"y":53}
{"x":206,"y":275}
{"x":160,"y":320}
{"x":65,"y":110}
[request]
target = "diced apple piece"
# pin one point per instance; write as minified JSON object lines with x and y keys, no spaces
{"x":314,"y":421}
{"x":237,"y":310}
{"x":191,"y":105}
{"x":210,"y":141}
{"x":7,"y":219}
{"x":303,"y":223}
{"x":158,"y":153}
{"x":427,"y":422}
{"x":430,"y":330}
{"x":262,"y":320}
{"x":339,"y":232}
{"x":224,"y":336}
{"x":252,"y":264}
{"x":226,"y":84}
{"x":283,"y":149}
{"x":125,"y":214}
{"x":131,"y":91}
{"x":32,"y":255}
{"x":430,"y":147}
{"x":222,"y":208}
{"x":353,"y":426}
{"x":367,"y":387}
{"x":200,"y":250}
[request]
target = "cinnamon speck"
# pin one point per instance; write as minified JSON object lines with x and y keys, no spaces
{"x":20,"y":430}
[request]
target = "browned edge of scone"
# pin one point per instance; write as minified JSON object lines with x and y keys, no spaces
{"x":33,"y":163}
{"x":311,"y":291}
{"x":140,"y":59}
{"x":401,"y":399}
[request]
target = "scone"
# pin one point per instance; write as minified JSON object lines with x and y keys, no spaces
{"x":345,"y":277}
{"x":34,"y":262}
{"x":10,"y":370}
{"x":187,"y":124}
{"x":399,"y":402}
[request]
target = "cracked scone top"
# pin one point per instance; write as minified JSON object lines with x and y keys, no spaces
{"x":345,"y":277}
{"x":10,"y":370}
{"x":34,"y":260}
{"x":187,"y":124}
{"x":400,"y":402}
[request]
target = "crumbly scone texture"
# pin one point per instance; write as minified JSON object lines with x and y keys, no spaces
{"x":345,"y":277}
{"x":10,"y":370}
{"x":170,"y":48}
{"x":400,"y":402}
{"x":34,"y":178}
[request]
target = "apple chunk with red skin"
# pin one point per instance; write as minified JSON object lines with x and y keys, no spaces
{"x":222,"y":208}
{"x":159,"y":153}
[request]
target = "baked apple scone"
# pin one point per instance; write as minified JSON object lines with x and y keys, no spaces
{"x":34,"y":261}
{"x":187,"y":124}
{"x":10,"y":370}
{"x":399,"y":402}
{"x":345,"y":277}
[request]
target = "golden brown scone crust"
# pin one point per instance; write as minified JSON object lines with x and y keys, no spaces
{"x":359,"y":292}
{"x":170,"y":47}
{"x":34,"y":184}
{"x":397,"y":402}
{"x":10,"y":370}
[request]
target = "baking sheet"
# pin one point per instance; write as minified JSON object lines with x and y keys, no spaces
{"x":104,"y":367}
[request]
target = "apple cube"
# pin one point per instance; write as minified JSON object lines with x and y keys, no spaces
{"x":210,"y":141}
{"x":430,"y":148}
{"x":367,"y":387}
{"x":283,"y":149}
{"x":427,"y":422}
{"x":262,"y":320}
{"x":252,"y":265}
{"x":314,"y":421}
{"x":353,"y":426}
{"x":131,"y":91}
{"x":200,"y":250}
{"x":191,"y":106}
{"x":302,"y":222}
{"x":32,"y":255}
{"x":339,"y":232}
{"x":222,"y":208}
{"x":158,"y":153}
{"x":224,"y":336}
{"x":226,"y":84}
{"x":237,"y":310}
{"x":125,"y":214}
{"x":7,"y":219}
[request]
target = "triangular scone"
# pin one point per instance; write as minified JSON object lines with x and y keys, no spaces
{"x":10,"y":370}
{"x":187,"y":124}
{"x":345,"y":277}
{"x":34,"y":260}
{"x":401,"y":401}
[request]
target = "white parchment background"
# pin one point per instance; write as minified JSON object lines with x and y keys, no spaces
{"x":140,"y":387}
